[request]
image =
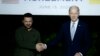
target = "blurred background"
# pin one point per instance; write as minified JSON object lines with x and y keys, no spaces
{"x":48,"y":26}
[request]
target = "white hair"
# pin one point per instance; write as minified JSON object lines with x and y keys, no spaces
{"x":74,"y":7}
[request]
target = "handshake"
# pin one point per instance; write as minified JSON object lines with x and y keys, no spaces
{"x":40,"y":47}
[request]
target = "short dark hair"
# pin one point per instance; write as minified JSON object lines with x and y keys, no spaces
{"x":27,"y":15}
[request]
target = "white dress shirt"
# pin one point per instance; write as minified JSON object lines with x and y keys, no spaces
{"x":75,"y":27}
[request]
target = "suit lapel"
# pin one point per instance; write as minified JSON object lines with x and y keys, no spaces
{"x":68,"y":30}
{"x":77,"y":30}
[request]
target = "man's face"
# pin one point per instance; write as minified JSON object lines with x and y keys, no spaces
{"x":74,"y":13}
{"x":27,"y":22}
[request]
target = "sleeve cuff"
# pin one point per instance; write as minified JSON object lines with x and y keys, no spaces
{"x":45,"y":46}
{"x":80,"y":53}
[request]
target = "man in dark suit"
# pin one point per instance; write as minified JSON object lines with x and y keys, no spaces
{"x":75,"y":35}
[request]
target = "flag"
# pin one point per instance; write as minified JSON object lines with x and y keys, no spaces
{"x":94,"y":1}
{"x":10,"y":1}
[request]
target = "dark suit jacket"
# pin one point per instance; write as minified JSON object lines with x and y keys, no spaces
{"x":80,"y":43}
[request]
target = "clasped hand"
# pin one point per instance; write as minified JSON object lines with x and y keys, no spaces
{"x":40,"y":47}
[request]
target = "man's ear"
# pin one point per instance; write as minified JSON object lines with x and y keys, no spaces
{"x":78,"y":13}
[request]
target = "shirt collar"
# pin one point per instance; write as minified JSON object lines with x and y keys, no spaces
{"x":75,"y":21}
{"x":27,"y":29}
